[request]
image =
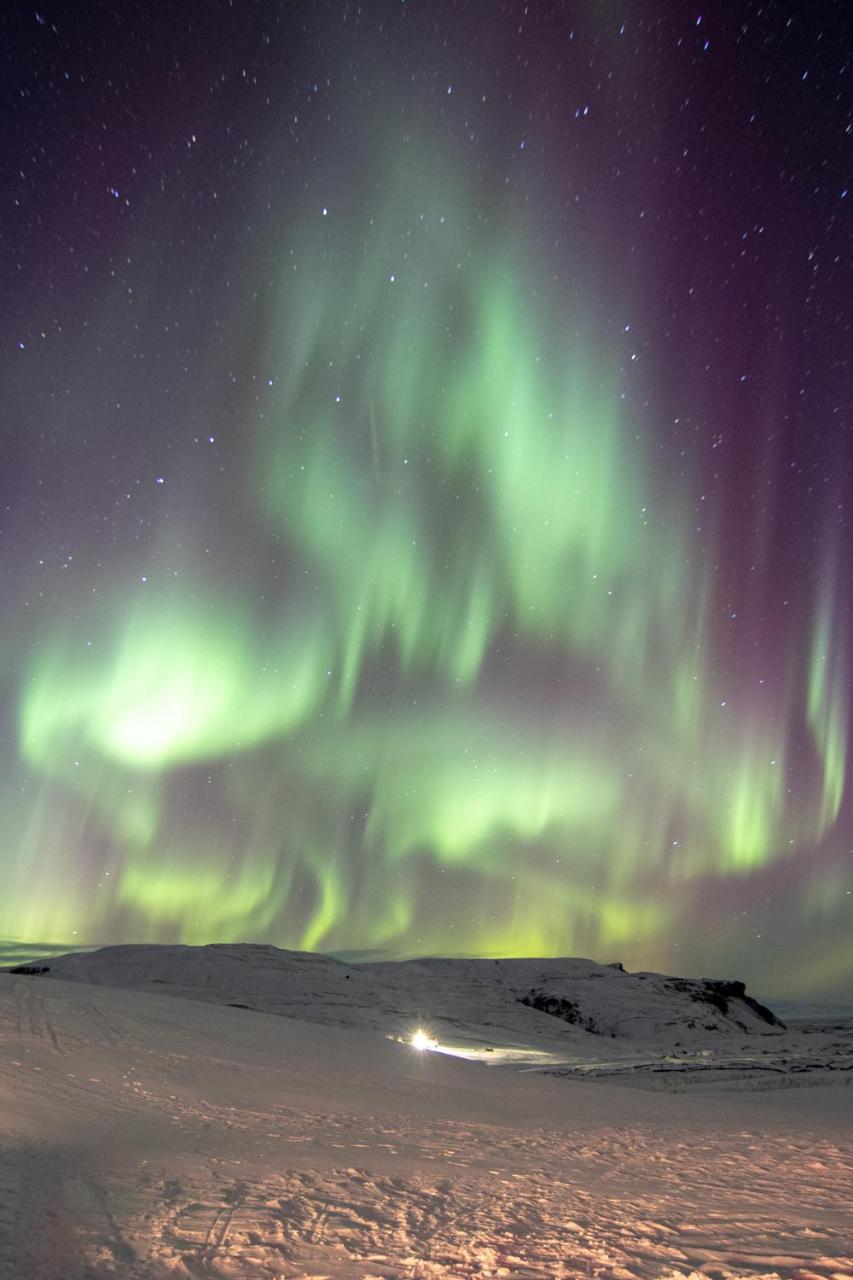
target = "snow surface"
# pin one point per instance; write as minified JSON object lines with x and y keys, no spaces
{"x":145,"y":1137}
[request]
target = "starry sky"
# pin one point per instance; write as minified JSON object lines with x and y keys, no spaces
{"x":425,"y":480}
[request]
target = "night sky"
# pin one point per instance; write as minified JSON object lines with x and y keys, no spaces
{"x":425,"y":480}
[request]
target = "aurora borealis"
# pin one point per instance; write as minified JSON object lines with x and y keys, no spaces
{"x":426,"y":483}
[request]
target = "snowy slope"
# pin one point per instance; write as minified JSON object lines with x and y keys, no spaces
{"x":567,"y":1015}
{"x":522,"y":997}
{"x":144,"y":1138}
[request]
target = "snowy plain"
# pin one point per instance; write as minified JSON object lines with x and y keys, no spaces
{"x":150,"y":1130}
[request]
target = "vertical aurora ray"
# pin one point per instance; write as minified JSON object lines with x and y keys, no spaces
{"x":828,"y":698}
{"x":440,"y":510}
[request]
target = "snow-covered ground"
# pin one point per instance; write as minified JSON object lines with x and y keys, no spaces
{"x":145,"y":1136}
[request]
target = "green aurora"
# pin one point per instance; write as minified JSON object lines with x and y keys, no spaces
{"x":485,"y":707}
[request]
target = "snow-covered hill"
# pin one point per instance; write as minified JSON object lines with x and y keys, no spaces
{"x":533,"y":1009}
{"x":567,"y":1016}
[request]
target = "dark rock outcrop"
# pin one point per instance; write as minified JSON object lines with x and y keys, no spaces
{"x":719,"y":993}
{"x":559,"y":1007}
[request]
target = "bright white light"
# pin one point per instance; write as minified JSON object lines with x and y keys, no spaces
{"x":420,"y":1040}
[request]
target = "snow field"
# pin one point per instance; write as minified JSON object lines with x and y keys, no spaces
{"x":145,"y":1138}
